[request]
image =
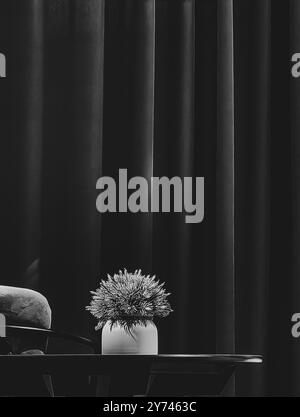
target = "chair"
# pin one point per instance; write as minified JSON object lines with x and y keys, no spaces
{"x":22,"y":306}
{"x":28,"y":330}
{"x":32,"y":333}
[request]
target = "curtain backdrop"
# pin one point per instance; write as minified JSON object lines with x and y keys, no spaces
{"x":162,"y":88}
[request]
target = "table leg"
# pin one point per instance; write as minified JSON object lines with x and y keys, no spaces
{"x":103,"y":385}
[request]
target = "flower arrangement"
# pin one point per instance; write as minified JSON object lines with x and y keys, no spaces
{"x":129,"y":299}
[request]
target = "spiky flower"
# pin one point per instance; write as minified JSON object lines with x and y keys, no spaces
{"x":129,"y":299}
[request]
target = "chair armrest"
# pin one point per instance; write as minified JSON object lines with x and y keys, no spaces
{"x":35,"y":331}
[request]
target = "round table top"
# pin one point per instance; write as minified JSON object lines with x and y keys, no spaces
{"x":93,"y":361}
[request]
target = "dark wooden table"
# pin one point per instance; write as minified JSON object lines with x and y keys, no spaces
{"x":179,"y":375}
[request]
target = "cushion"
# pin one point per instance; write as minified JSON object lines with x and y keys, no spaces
{"x":25,"y":306}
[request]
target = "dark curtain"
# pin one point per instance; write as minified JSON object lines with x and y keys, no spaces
{"x":162,"y":88}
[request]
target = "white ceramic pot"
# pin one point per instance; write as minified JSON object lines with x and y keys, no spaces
{"x":117,"y":341}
